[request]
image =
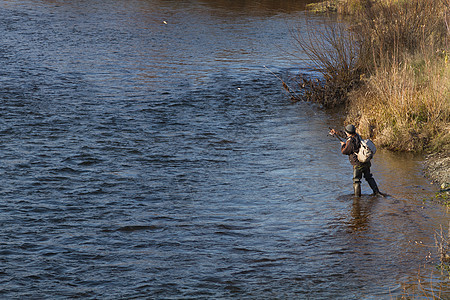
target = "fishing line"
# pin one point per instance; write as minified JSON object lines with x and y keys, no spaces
{"x":285,"y":86}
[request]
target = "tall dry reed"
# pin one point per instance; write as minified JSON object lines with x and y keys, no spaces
{"x":403,"y":108}
{"x":406,"y":99}
{"x":391,"y":69}
{"x":387,"y":32}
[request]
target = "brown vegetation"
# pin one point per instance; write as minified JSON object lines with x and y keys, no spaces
{"x":391,"y":70}
{"x":332,"y":51}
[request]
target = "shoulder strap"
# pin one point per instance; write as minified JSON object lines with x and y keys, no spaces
{"x":357,"y":142}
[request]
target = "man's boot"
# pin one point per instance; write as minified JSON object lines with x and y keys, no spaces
{"x":373,"y":186}
{"x":357,"y":189}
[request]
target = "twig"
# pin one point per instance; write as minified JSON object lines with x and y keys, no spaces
{"x":285,"y":86}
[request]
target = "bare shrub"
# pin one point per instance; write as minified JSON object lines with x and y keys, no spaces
{"x":333,"y":52}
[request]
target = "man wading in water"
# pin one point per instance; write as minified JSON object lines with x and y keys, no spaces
{"x":350,"y":147}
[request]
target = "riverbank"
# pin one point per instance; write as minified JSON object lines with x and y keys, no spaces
{"x":437,"y":169}
{"x":392,"y":73}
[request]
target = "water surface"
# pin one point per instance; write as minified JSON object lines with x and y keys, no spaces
{"x":148,"y":153}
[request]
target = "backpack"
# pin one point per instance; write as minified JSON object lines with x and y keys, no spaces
{"x":366,"y":150}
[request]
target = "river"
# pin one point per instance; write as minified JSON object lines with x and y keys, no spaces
{"x":147,"y":152}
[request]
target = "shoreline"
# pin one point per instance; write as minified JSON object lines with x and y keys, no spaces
{"x":437,"y":168}
{"x":414,"y":135}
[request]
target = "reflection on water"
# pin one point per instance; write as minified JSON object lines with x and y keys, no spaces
{"x":361,"y":211}
{"x":147,"y":153}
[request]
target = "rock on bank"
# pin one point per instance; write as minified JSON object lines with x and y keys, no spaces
{"x":437,"y":168}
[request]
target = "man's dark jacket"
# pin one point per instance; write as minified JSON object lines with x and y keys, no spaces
{"x":350,"y":147}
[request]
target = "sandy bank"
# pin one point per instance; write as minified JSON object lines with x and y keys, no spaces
{"x":437,"y":168}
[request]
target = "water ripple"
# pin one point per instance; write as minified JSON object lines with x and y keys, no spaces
{"x":150,"y":160}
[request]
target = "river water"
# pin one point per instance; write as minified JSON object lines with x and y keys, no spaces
{"x":146,"y":152}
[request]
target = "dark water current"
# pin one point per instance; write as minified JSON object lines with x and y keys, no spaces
{"x":146,"y":153}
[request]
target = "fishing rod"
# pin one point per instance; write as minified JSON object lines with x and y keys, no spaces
{"x":335,"y":135}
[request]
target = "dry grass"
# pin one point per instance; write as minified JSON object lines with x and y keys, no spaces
{"x":405,"y":109}
{"x":390,"y":68}
{"x":388,"y":32}
{"x":432,"y":285}
{"x":443,"y":246}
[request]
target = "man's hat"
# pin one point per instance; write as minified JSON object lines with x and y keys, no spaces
{"x":350,"y":129}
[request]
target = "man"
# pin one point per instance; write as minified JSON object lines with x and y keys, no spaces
{"x":350,"y":147}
